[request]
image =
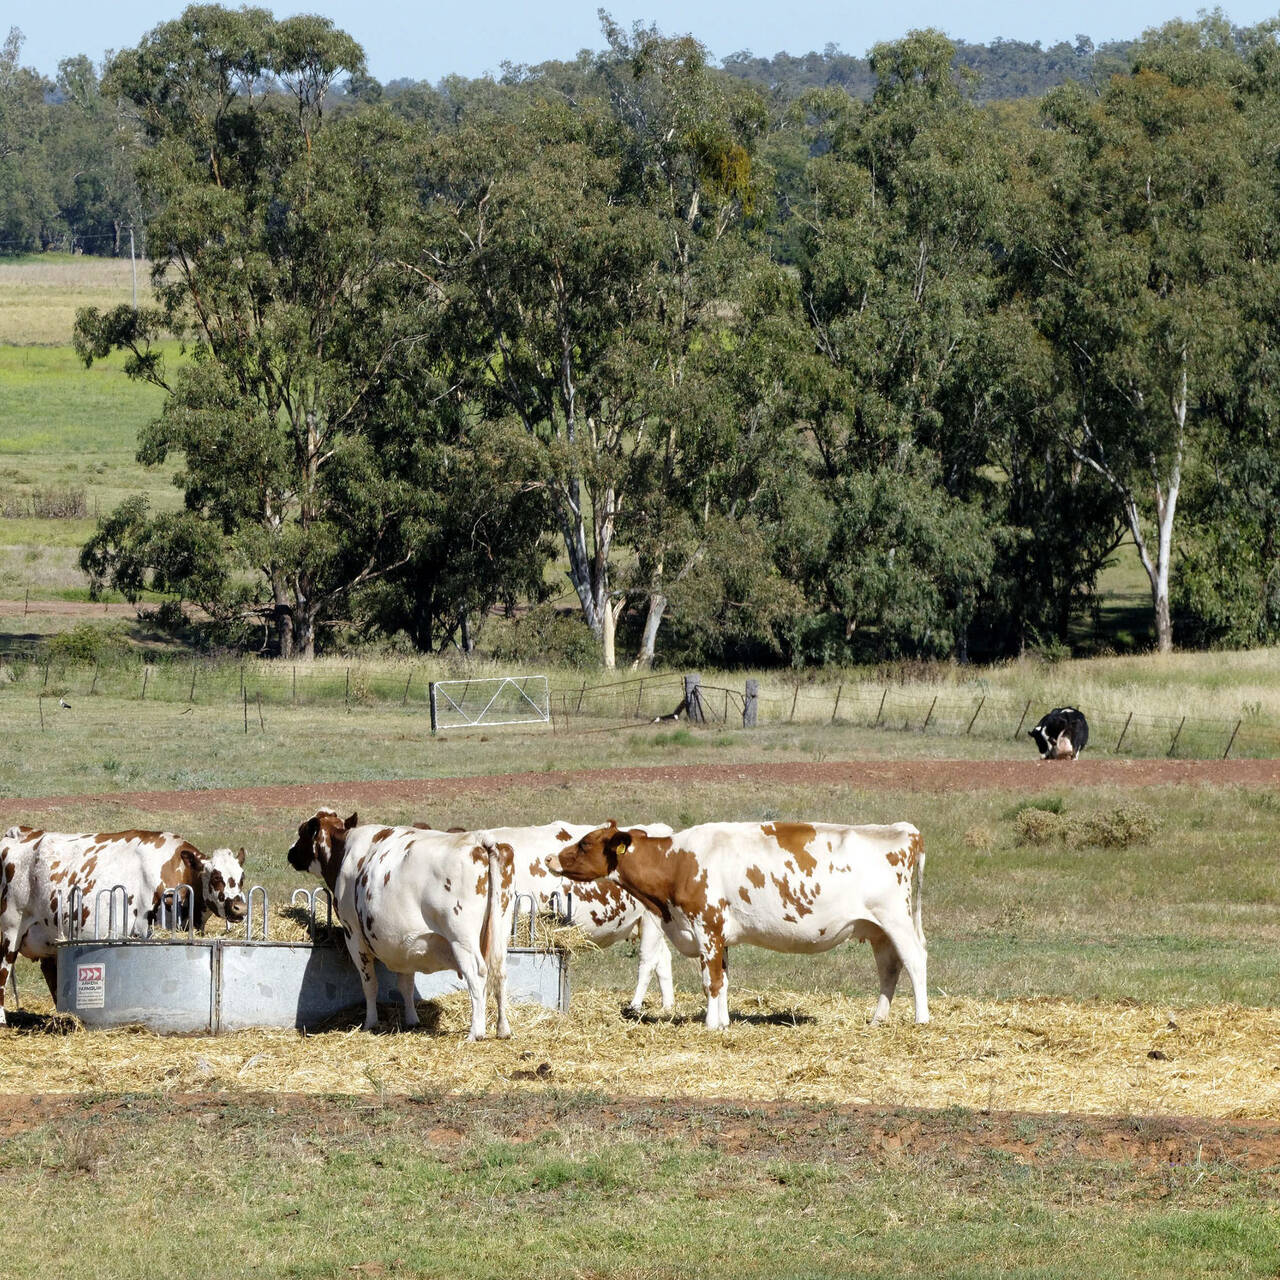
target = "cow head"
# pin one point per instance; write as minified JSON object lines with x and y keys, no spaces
{"x":1047,"y":733}
{"x":222,"y":884}
{"x":321,"y":842}
{"x":594,"y":857}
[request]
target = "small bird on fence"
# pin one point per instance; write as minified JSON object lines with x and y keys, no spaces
{"x":64,"y":704}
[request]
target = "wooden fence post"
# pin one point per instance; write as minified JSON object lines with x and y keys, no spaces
{"x":431,"y":697}
{"x":40,"y":705}
{"x":1022,"y":719}
{"x":244,"y":693}
{"x":1177,"y":733}
{"x":693,"y":698}
{"x":795,"y":697}
{"x":404,"y":702}
{"x":976,"y":714}
{"x":94,"y":685}
{"x":1120,"y":739}
{"x":262,"y":724}
{"x":1234,"y":731}
{"x":146,"y":675}
{"x":880,"y":709}
{"x":836,"y":709}
{"x":191,"y":694}
{"x":929,"y":717}
{"x":751,"y":704}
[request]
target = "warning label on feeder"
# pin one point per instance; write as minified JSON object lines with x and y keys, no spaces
{"x":91,"y":981}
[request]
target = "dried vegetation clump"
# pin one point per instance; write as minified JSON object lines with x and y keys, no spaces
{"x":1027,"y":1055}
{"x":1118,"y":828}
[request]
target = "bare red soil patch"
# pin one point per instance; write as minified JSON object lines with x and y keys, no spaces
{"x":896,"y":775}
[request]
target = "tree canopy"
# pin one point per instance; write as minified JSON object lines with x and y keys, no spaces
{"x":863,"y":365}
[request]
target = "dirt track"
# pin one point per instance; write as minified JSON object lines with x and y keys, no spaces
{"x":900,"y":775}
{"x":761,"y":1130}
{"x":66,"y":608}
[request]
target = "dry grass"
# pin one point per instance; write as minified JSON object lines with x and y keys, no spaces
{"x":39,"y":295}
{"x":1028,"y":1055}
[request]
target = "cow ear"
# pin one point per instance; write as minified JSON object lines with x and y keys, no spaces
{"x":351,"y":821}
{"x":240,"y":856}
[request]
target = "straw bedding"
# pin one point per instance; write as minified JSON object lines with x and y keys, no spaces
{"x":1036,"y":1055}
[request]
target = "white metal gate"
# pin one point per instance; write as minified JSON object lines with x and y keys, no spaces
{"x":464,"y":704}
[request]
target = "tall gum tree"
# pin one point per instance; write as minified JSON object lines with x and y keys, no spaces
{"x":581,"y":233}
{"x":1134,"y":251}
{"x":274,"y":239}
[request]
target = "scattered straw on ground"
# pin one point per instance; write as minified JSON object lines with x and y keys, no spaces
{"x":1034,"y":1055}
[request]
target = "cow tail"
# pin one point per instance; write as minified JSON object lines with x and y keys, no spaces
{"x":491,"y":929}
{"x":917,"y":896}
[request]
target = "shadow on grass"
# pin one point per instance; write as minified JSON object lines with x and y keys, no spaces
{"x":778,"y":1018}
{"x":42,"y":1024}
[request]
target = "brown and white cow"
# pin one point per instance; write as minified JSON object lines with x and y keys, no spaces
{"x":39,"y":869}
{"x":601,"y":909}
{"x":788,"y":886}
{"x":418,"y":900}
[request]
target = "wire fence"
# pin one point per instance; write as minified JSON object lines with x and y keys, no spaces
{"x":251,"y":687}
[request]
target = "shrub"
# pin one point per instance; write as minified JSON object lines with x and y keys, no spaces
{"x":1125,"y":825}
{"x":1118,"y":828}
{"x":545,"y":634}
{"x":1038,"y":826}
{"x":84,"y":643}
{"x":979,"y":838}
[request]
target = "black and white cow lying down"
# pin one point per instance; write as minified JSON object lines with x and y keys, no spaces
{"x":1061,"y":734}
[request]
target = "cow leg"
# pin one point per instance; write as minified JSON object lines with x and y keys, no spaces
{"x":471,"y":970}
{"x":655,"y":956}
{"x":8,"y":958}
{"x":913,"y":958}
{"x":362,"y":958}
{"x":715,"y":981}
{"x":49,"y":967}
{"x":404,"y":983}
{"x":889,"y":966}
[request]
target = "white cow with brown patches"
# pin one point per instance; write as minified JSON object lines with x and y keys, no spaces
{"x":601,"y":909}
{"x":788,"y":886}
{"x":39,"y":869}
{"x":418,"y":900}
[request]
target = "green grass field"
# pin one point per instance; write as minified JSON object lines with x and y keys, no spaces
{"x":483,"y":1187}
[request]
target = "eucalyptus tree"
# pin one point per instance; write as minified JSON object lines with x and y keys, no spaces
{"x":903,"y":202}
{"x":587,"y":260}
{"x":1135,"y":253}
{"x":28,"y":208}
{"x":276,"y":243}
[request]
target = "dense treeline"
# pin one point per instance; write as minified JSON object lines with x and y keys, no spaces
{"x":787,"y":376}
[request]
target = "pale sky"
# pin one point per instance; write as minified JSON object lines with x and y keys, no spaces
{"x":426,"y":40}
